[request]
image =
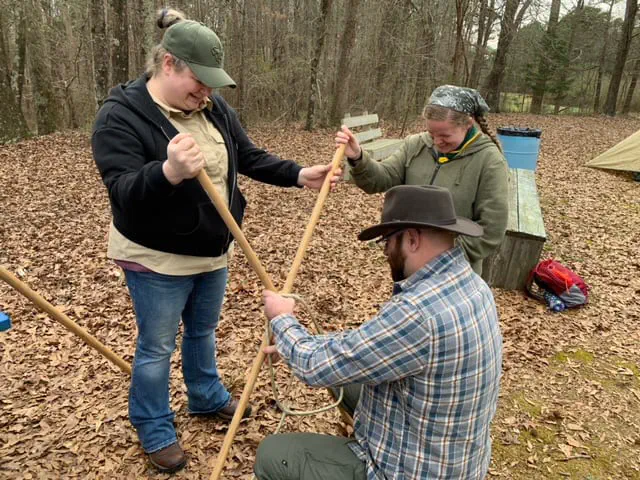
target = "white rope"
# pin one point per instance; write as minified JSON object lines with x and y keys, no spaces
{"x":285,"y":409}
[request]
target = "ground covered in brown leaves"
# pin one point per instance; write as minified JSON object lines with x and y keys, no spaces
{"x":570,"y":400}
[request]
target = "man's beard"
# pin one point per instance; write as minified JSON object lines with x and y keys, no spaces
{"x":397,"y":260}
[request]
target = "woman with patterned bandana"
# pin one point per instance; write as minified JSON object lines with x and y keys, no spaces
{"x":457,"y":151}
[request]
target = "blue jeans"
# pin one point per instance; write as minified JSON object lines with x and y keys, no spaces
{"x":159,"y":301}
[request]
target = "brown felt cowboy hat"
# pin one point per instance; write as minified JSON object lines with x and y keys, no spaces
{"x":424,"y":206}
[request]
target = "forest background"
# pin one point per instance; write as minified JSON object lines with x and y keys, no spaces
{"x":312,"y":61}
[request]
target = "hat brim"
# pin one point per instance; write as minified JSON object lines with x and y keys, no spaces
{"x":463,"y":226}
{"x":212,"y":77}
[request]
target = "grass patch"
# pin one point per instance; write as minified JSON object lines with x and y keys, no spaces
{"x":629,"y":365}
{"x":545,"y":435}
{"x":578,"y":355}
{"x":599,"y":467}
{"x":534,"y":447}
{"x":524,"y":404}
{"x":536,"y":456}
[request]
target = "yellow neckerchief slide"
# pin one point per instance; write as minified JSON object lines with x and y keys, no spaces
{"x":454,"y":153}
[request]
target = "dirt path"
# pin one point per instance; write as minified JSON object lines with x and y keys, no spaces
{"x":571,"y":390}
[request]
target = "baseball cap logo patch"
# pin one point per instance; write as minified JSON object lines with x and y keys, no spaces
{"x":216,"y":52}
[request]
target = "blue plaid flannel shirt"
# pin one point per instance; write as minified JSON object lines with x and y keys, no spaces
{"x":430,"y":362}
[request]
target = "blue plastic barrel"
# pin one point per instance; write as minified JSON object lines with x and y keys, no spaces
{"x":521,"y":146}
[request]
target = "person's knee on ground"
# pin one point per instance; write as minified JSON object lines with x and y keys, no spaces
{"x":307,"y":456}
{"x":270,"y":458}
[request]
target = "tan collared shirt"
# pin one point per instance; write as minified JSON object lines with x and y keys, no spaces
{"x":211,"y":143}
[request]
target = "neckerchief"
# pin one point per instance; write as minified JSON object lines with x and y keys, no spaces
{"x":471,"y":136}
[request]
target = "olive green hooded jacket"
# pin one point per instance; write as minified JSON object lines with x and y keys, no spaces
{"x":477,"y":179}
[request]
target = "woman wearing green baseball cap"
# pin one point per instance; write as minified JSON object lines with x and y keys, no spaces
{"x":151,"y":138}
{"x":458,"y":151}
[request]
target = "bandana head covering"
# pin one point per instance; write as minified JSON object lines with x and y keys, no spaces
{"x":461,"y":99}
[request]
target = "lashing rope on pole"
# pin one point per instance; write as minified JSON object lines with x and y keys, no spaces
{"x":286,"y":410}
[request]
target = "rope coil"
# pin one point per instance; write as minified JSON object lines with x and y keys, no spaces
{"x":285,"y":409}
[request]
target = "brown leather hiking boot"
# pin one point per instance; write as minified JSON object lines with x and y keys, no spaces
{"x":168,"y":460}
{"x":226,"y":413}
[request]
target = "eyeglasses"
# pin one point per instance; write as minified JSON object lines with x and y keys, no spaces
{"x":383,"y":240}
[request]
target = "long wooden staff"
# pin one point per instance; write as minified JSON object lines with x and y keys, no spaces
{"x":232,"y":225}
{"x":57,"y":315}
{"x":257,"y":363}
{"x":315,"y":215}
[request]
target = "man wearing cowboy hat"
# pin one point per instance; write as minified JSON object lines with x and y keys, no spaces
{"x":428,"y":363}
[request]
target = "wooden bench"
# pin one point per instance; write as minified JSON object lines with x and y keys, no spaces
{"x":520,"y":250}
{"x":369,"y":135}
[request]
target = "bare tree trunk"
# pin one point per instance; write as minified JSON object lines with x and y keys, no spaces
{"x":71,"y":65}
{"x":544,"y":67}
{"x":47,"y":108}
{"x":100,"y":49}
{"x":632,"y":86}
{"x":384,"y":53}
{"x":346,"y":50}
{"x":425,"y":42}
{"x":621,"y":57}
{"x":563,"y":74}
{"x":241,"y":90}
{"x":12,"y":122}
{"x":458,"y":53}
{"x":22,"y":51}
{"x":478,"y":58}
{"x":120,"y":52}
{"x":509,"y":25}
{"x":321,"y":35}
{"x":603,"y":57}
{"x":139,"y":17}
{"x":492,"y":16}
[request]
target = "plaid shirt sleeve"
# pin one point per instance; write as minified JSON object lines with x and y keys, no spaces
{"x":392,"y":345}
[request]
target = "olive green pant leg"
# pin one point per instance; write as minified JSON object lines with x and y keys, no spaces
{"x":307,"y":456}
{"x":350,"y":397}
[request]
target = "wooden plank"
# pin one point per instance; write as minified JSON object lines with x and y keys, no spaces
{"x":382,"y":148}
{"x":529,"y":213}
{"x":521,"y":248}
{"x":512,"y":223}
{"x":360,"y":121}
{"x":381,"y":143}
{"x":524,"y":255}
{"x":510,"y":265}
{"x":494,"y":267}
{"x":368,"y":135}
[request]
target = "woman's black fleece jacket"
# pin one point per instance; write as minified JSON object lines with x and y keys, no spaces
{"x":129,"y":142}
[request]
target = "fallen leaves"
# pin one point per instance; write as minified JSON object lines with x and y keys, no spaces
{"x":63,"y":411}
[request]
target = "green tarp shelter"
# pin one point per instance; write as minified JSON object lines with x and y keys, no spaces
{"x":624,"y":156}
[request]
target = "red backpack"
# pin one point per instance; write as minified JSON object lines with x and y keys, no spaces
{"x":560,"y":280}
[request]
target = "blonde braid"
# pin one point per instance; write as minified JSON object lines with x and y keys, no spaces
{"x":481,"y":120}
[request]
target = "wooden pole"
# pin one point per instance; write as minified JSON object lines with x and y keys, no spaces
{"x":315,"y":215}
{"x":257,"y":363}
{"x":232,"y":225}
{"x":60,"y":317}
